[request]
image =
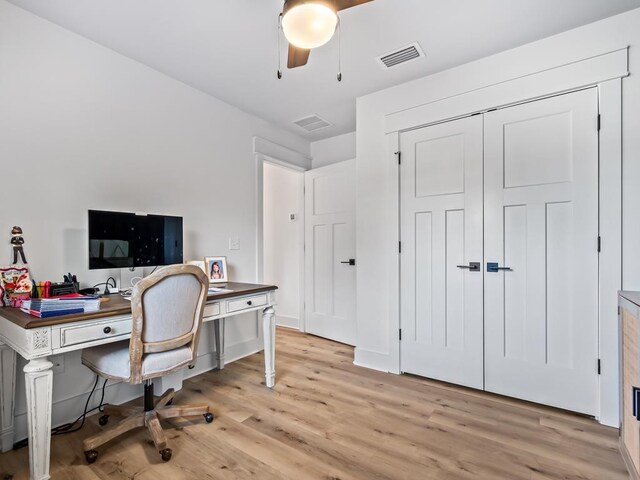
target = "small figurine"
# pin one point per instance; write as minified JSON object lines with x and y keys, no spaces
{"x":17,"y":241}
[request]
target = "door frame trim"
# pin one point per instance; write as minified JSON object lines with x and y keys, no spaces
{"x":261,"y":159}
{"x":610,"y":261}
{"x":604,"y":72}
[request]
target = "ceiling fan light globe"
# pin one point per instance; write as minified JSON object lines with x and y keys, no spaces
{"x":309,"y":25}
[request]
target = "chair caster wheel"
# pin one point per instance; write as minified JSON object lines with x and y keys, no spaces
{"x":103,"y":420}
{"x":91,"y":456}
{"x":208,"y":417}
{"x":165,"y":453}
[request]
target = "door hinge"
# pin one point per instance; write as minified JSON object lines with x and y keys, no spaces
{"x":599,"y":244}
{"x":399,"y":247}
{"x":399,"y":155}
{"x":599,"y":122}
{"x":400,"y":334}
{"x":599,"y":366}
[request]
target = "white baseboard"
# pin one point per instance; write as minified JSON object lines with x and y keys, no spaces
{"x":286,"y":321}
{"x":370,"y":359}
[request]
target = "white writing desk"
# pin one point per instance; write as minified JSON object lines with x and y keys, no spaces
{"x":37,"y":339}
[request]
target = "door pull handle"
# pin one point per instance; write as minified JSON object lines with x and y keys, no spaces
{"x":472,"y":267}
{"x":351,"y":261}
{"x":635,"y":400}
{"x":493,"y":267}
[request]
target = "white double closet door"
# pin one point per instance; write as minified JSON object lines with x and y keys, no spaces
{"x":499,"y":263}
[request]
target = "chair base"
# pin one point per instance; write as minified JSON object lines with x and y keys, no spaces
{"x":136,"y":417}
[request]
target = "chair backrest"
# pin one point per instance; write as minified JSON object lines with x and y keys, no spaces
{"x":167,"y":309}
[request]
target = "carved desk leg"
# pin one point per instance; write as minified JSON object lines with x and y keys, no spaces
{"x":7,"y":396}
{"x":39,"y":384}
{"x":218,"y":327}
{"x":269,"y":329}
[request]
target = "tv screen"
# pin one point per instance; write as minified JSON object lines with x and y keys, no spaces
{"x":125,"y":240}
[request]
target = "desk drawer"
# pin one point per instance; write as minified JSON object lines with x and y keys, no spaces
{"x":89,"y":333}
{"x":246,"y":303}
{"x":211,"y":310}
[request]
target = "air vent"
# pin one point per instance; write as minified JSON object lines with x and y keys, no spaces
{"x":402,"y":55}
{"x":312,"y":123}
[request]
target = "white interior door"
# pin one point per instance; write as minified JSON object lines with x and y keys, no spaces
{"x":541,"y":222}
{"x":441,"y":232}
{"x":330,"y":245}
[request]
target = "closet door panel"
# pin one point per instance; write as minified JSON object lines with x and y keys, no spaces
{"x":541,"y":224}
{"x":441,"y":231}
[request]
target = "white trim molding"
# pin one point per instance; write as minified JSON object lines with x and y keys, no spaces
{"x":281,"y":155}
{"x":610,"y":261}
{"x":554,"y":81}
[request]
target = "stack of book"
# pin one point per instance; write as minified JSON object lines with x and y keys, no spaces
{"x":63,"y":305}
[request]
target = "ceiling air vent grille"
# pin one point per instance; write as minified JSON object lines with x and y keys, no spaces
{"x":404,"y":54}
{"x":312,"y":123}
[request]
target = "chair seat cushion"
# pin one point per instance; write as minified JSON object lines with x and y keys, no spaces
{"x":112,"y":361}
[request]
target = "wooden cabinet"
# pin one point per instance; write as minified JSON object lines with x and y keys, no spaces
{"x":629,"y":308}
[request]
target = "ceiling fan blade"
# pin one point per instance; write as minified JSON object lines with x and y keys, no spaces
{"x":344,"y":4}
{"x":297,"y":56}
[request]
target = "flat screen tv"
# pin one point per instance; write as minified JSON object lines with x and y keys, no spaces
{"x":128,"y":240}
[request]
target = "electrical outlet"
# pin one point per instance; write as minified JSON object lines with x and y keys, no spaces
{"x":292,"y":217}
{"x":58,"y":363}
{"x":234,"y":243}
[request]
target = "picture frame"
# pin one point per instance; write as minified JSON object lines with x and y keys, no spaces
{"x":198,"y":263}
{"x":216,"y":269}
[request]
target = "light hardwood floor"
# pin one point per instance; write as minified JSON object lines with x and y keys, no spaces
{"x":328,"y":419}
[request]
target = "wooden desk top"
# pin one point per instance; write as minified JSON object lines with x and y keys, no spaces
{"x":116,"y":305}
{"x":633,"y":297}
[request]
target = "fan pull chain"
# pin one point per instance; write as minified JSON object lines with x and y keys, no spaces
{"x":279,"y":52}
{"x":339,"y":76}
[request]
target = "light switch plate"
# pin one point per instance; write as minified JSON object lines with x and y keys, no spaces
{"x":234,"y":243}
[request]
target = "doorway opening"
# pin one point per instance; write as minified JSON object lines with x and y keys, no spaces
{"x":283,"y":240}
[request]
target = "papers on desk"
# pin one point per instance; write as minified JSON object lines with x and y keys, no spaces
{"x":63,"y":305}
{"x":213,"y":290}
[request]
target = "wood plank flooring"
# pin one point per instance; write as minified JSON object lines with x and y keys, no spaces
{"x":328,"y":419}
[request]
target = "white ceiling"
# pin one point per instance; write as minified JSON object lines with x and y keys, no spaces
{"x":228,"y":48}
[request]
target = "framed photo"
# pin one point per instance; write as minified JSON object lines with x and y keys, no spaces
{"x":198,"y":263}
{"x":216,"y":269}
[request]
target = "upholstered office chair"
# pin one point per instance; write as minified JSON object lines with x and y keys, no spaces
{"x":167,"y":309}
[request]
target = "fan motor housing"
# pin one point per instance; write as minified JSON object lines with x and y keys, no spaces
{"x":289,"y":4}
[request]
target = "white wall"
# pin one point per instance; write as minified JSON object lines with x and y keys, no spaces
{"x":283,"y":239}
{"x":83,"y":127}
{"x":333,"y":150}
{"x":377,"y":201}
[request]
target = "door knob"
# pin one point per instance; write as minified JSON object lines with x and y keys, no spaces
{"x":472,"y":267}
{"x":494,"y":267}
{"x":351,"y":261}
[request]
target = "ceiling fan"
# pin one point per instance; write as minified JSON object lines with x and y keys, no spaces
{"x":308,"y":24}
